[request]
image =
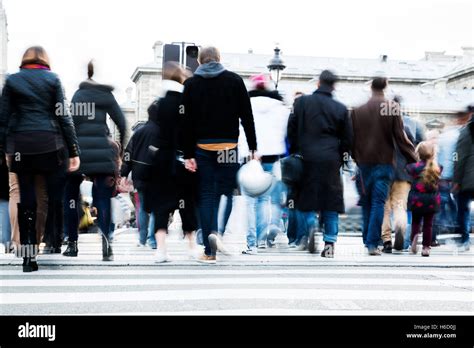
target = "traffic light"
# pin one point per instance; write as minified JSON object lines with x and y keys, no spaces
{"x":183,"y":53}
{"x":192,"y":53}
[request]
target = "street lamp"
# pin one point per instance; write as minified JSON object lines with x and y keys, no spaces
{"x":276,"y":67}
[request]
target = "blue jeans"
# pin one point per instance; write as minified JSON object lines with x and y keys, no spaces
{"x":5,"y":229}
{"x":375,"y":186}
{"x":217,"y":177}
{"x":102,"y":190}
{"x":328,"y":219}
{"x":465,"y":199}
{"x":146,"y":223}
{"x":407,"y":241}
{"x":228,"y":210}
{"x":297,"y":230}
{"x":264,"y":212}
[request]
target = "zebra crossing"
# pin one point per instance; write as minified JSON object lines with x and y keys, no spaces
{"x":243,"y":290}
{"x":276,"y":281}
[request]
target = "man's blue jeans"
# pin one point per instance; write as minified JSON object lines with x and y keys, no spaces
{"x":146,"y":223}
{"x":375,"y":185}
{"x":328,"y":219}
{"x":264,"y":211}
{"x":217,"y":176}
{"x":465,"y":199}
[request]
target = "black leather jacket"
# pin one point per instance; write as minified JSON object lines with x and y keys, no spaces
{"x":33,"y":100}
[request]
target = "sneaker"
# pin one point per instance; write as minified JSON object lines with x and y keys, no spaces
{"x":193,"y":254}
{"x":250,"y":251}
{"x":435,"y":243}
{"x":272,"y":233}
{"x":303,"y":245}
{"x":217,"y":245}
{"x":140,"y":245}
{"x":398,"y":245}
{"x":414,"y":244}
{"x":261,"y":245}
{"x":465,"y":247}
{"x":328,"y":250}
{"x":375,"y":252}
{"x":161,"y":257}
{"x":292,"y":245}
{"x":206,"y":259}
{"x":387,"y":247}
{"x":425,"y":251}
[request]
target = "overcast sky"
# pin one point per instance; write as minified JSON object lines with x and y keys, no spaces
{"x":120,"y":34}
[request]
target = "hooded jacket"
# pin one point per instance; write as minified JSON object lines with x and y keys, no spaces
{"x":214,"y":100}
{"x":90,"y":105}
{"x":271,"y":120}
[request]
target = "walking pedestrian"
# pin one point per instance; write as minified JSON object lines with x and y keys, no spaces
{"x":5,"y":229}
{"x":169,"y":185}
{"x":271,"y":120}
{"x":325,"y":143}
{"x":90,"y":105}
{"x":424,"y":199}
{"x":37,"y":135}
{"x":214,"y":100}
{"x":396,"y":203}
{"x":464,"y":180}
{"x":378,"y":127}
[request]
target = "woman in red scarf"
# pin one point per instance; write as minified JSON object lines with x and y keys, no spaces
{"x":38,"y":136}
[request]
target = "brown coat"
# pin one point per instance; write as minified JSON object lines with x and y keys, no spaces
{"x":378,"y":126}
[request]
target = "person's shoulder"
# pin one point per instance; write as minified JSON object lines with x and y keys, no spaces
{"x":340,"y":106}
{"x":231,"y":74}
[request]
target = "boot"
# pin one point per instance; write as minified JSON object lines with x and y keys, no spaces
{"x":27,"y":226}
{"x":328,"y":250}
{"x":107,"y":253}
{"x":29,"y":265}
{"x":71,"y":250}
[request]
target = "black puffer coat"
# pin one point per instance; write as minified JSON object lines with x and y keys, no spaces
{"x":90,"y":106}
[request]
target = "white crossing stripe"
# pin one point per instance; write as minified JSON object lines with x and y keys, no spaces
{"x":74,"y":282}
{"x":234,"y":294}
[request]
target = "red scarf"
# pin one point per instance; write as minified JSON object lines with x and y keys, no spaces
{"x":35,"y":66}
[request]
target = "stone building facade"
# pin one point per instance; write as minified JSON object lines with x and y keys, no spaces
{"x":3,"y":44}
{"x":433,"y":88}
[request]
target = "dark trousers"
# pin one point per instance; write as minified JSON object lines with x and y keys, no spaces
{"x":53,"y":234}
{"x":102,"y":190}
{"x":427,"y":219}
{"x":217,"y":177}
{"x":464,"y":214}
{"x":27,"y":182}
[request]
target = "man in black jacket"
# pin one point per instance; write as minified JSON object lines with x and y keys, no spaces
{"x":324,"y":142}
{"x":214,"y":100}
{"x":464,"y":180}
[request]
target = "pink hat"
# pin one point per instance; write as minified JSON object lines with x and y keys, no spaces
{"x":260,"y":81}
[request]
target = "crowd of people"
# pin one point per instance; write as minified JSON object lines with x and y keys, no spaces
{"x":201,"y":131}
